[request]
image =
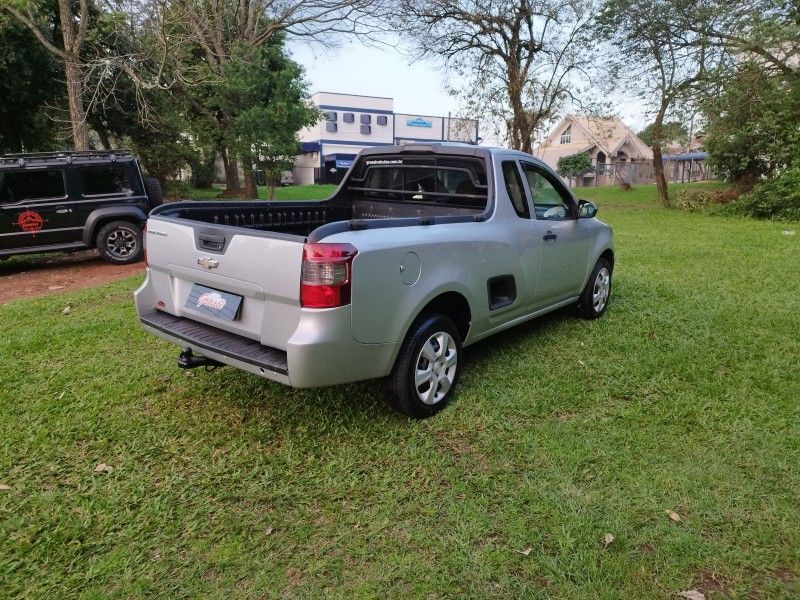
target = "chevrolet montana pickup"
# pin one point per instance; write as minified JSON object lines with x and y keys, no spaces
{"x":421,"y":251}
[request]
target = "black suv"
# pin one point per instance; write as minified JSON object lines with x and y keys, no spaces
{"x":73,"y":201}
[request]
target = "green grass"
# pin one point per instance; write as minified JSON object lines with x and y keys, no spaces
{"x":294,"y":192}
{"x":683,"y":397}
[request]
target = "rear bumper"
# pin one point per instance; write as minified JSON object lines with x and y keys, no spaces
{"x":320,"y":352}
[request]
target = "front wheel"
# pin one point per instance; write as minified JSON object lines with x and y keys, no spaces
{"x":594,"y":298}
{"x":120,"y":242}
{"x":427,"y":368}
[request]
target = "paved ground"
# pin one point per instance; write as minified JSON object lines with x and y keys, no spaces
{"x":37,"y":275}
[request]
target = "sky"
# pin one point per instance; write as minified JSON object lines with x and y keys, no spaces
{"x":416,"y":87}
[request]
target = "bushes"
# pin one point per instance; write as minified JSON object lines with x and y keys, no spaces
{"x":693,"y":199}
{"x":777,"y":198}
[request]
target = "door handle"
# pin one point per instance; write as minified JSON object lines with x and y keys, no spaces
{"x":63,"y":210}
{"x":549,"y":236}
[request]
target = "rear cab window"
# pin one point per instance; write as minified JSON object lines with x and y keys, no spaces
{"x":453,"y":181}
{"x":32,"y":185}
{"x":106,"y":180}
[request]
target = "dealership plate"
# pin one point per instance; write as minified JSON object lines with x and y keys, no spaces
{"x":215,"y":303}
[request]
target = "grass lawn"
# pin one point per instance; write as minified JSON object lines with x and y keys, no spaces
{"x":684,"y":397}
{"x":294,"y":192}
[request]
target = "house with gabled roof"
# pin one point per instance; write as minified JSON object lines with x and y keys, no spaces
{"x":613,"y":147}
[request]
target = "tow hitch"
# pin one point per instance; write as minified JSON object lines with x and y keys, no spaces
{"x":187,"y":360}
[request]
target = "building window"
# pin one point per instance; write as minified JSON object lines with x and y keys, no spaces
{"x":366,"y":129}
{"x":382,"y":120}
{"x":566,"y":137}
{"x":349,"y":118}
{"x":331,"y":127}
{"x":366,"y":119}
{"x":331,"y":116}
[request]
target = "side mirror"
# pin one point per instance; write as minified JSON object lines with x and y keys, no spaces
{"x":586,"y":209}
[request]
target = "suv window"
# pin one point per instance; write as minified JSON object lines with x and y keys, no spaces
{"x":105,"y":180}
{"x":514,"y":188}
{"x":548,"y":202}
{"x":21,"y":186}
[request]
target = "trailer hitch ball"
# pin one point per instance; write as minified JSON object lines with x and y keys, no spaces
{"x":187,"y":360}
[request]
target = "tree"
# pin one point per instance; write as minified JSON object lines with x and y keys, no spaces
{"x":213,"y":32}
{"x":752,"y":108}
{"x":661,"y":58}
{"x":28,"y":84}
{"x":574,"y":165}
{"x":670,"y":131}
{"x":517,"y":61}
{"x":65,"y":43}
{"x":752,"y":124}
{"x":265,"y":96}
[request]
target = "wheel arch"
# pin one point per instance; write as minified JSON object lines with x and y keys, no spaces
{"x":101,"y":216}
{"x":452,"y":304}
{"x":608,"y":254}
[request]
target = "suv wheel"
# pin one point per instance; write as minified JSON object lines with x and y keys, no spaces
{"x":595,"y":296}
{"x":427,"y":368}
{"x":120,"y":242}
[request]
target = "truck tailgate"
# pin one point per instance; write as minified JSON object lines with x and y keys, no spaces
{"x":200,"y":271}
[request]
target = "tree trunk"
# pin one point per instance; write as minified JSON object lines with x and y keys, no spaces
{"x":104,"y":139}
{"x":231,"y":171}
{"x":658,"y":163}
{"x":77,"y":116}
{"x":250,"y":188}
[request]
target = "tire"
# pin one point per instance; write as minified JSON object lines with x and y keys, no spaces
{"x":433,"y":335}
{"x":152,"y":188}
{"x":595,"y":296}
{"x":120,"y":242}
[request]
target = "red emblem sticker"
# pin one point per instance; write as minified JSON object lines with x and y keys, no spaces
{"x":30,"y":221}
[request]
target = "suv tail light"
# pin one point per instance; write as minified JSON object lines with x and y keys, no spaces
{"x":326,"y":275}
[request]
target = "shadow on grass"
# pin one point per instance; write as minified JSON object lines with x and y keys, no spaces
{"x":356,"y":405}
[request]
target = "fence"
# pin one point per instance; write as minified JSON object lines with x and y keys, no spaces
{"x":619,"y":173}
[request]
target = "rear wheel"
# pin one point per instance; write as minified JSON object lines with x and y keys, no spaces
{"x":594,"y":298}
{"x":427,"y":368}
{"x":120,"y":242}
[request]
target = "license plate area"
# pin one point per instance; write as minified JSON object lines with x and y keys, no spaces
{"x":214,"y":303}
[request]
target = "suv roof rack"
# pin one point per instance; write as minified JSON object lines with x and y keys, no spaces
{"x":67,"y":156}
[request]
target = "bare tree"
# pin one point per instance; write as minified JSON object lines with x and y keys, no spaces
{"x":73,"y":28}
{"x":660,"y":58}
{"x":517,"y":61}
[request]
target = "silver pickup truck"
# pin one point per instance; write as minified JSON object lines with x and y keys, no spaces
{"x":421,"y":251}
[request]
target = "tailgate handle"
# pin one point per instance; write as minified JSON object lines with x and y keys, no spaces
{"x":211,"y":241}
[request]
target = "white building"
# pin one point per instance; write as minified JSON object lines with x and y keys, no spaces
{"x":354,"y":122}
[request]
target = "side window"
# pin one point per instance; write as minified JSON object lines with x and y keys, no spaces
{"x":21,"y":186}
{"x":548,"y":203}
{"x":514,"y":188}
{"x":105,"y":180}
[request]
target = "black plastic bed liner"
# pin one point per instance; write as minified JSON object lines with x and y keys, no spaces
{"x":222,"y":342}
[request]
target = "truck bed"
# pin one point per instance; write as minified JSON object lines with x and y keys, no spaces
{"x":301,"y":218}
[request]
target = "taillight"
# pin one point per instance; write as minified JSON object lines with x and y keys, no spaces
{"x":144,"y":244}
{"x":326,"y":275}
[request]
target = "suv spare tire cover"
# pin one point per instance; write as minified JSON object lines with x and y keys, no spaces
{"x":152,"y":188}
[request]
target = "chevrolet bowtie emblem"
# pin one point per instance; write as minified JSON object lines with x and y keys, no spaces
{"x":208,"y":263}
